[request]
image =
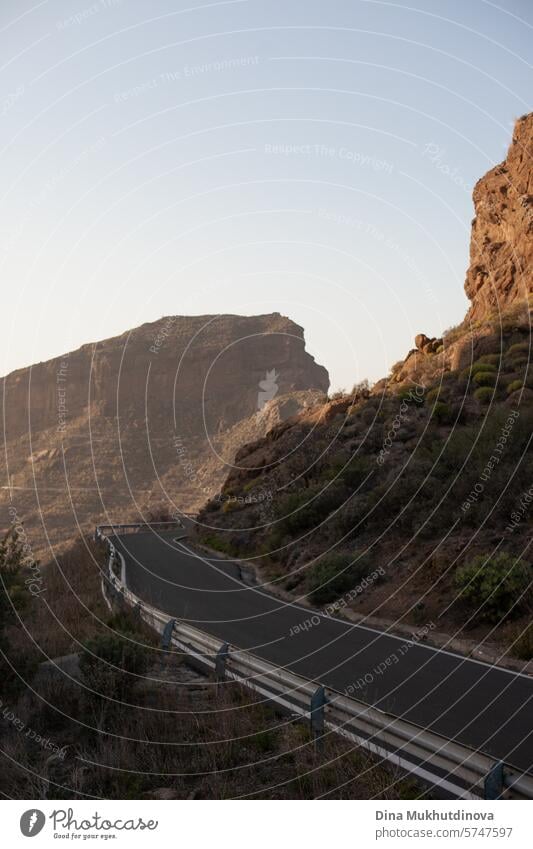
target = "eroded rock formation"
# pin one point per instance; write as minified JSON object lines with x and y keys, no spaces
{"x":501,"y":247}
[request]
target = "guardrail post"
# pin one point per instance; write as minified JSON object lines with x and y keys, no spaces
{"x":221,"y":660}
{"x":318,"y":703}
{"x":166,"y":639}
{"x":493,"y":785}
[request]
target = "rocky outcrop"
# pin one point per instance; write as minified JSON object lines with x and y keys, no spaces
{"x":427,"y":345}
{"x":499,"y":279}
{"x":151,"y":416}
{"x":501,"y":247}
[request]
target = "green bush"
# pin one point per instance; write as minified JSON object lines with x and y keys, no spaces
{"x":519,"y":348}
{"x":480,"y":365}
{"x":484,"y":394}
{"x":110,"y":663}
{"x":438,"y":393}
{"x":490,"y":586}
{"x":333,"y":575}
{"x":224,"y":545}
{"x":306,"y":508}
{"x":468,"y":373}
{"x":441,"y":412}
{"x":514,"y":386}
{"x":485,"y":378}
{"x":230,"y":506}
{"x":356,"y":471}
{"x":19,"y":596}
{"x":490,"y":359}
{"x":517,"y":363}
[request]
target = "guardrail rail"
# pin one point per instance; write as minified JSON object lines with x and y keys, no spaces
{"x":460,"y":771}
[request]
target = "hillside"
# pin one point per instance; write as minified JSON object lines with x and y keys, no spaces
{"x":145,"y":419}
{"x":379,"y":502}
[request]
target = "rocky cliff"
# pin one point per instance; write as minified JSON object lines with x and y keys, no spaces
{"x":501,"y":247}
{"x":499,"y":279}
{"x":146,"y":418}
{"x":419,"y":474}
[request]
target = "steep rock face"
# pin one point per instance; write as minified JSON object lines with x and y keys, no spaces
{"x":499,"y":279}
{"x":501,"y":247}
{"x":151,"y":416}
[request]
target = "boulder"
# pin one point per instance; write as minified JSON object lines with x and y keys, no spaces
{"x":421,"y":340}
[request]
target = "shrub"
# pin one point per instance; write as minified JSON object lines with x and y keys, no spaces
{"x":452,"y":334}
{"x":338,"y":395}
{"x":470,"y":371}
{"x":224,"y":545}
{"x":485,"y":378}
{"x":110,"y":663}
{"x":490,"y":586}
{"x":441,"y":412}
{"x":350,"y":519}
{"x":439,"y":392}
{"x":481,"y":365}
{"x":230,"y":506}
{"x":159,"y":513}
{"x":522,"y":646}
{"x":361,"y":389}
{"x":518,"y":348}
{"x":514,"y":386}
{"x":484,"y":395}
{"x":517,"y":363}
{"x":307,"y":508}
{"x":356,"y":471}
{"x":19,"y":596}
{"x":368,"y":415}
{"x":515,"y":317}
{"x":490,"y":359}
{"x":333,"y":575}
{"x":335,"y":465}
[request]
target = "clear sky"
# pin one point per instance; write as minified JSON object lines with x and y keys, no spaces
{"x":311,"y":157}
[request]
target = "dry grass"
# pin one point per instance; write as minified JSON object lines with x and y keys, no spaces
{"x":69,"y":610}
{"x":175,"y":734}
{"x":189,"y":741}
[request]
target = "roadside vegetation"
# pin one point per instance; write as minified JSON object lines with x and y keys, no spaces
{"x":114,"y":717}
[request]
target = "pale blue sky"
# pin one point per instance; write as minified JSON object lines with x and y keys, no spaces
{"x":313,"y":158}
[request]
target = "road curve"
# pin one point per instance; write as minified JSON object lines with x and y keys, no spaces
{"x":482,"y":706}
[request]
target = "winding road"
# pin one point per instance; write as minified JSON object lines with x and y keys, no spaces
{"x":482,"y":706}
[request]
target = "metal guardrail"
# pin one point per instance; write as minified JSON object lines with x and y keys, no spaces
{"x":462,"y":772}
{"x":140,"y":527}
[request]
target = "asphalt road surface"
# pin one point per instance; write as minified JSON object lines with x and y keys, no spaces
{"x":480,"y":705}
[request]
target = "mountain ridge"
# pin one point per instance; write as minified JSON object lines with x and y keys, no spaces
{"x":100,"y":420}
